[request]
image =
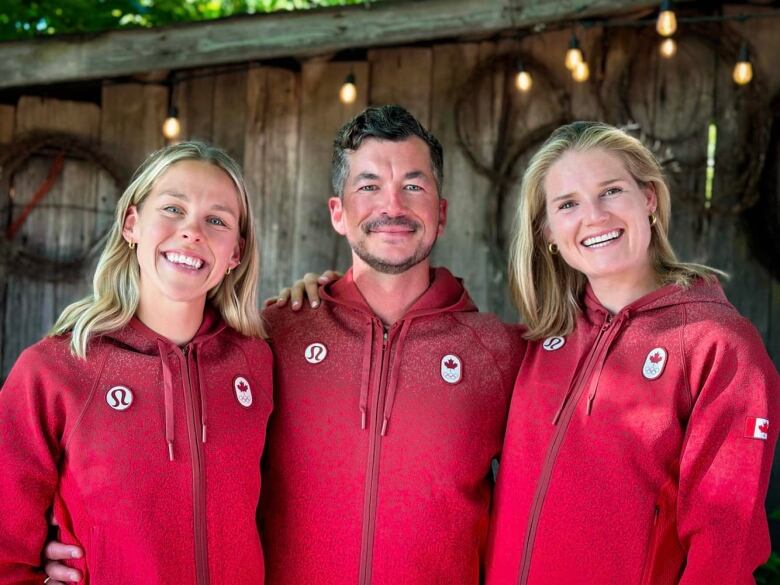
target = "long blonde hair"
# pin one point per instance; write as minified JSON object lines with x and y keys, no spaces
{"x":115,"y":286}
{"x":545,"y":289}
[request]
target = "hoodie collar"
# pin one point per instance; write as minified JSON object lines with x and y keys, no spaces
{"x":445,"y":294}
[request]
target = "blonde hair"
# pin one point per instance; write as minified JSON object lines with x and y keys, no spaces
{"x":545,"y":289}
{"x":115,"y":286}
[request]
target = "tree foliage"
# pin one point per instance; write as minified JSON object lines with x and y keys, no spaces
{"x":22,"y":19}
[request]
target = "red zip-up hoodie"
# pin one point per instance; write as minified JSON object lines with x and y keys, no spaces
{"x":379,"y":451}
{"x":150,"y":453}
{"x":638,"y":448}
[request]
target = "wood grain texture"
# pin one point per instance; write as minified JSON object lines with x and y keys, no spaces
{"x":403,"y":77}
{"x":317,"y":246}
{"x":271,"y":166}
{"x":282,"y":34}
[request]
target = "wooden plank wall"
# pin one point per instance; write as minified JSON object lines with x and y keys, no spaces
{"x":280,"y":123}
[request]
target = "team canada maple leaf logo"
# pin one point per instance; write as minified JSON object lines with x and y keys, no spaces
{"x":451,"y":368}
{"x":654,"y":363}
{"x":656,"y":357}
{"x":243,"y":391}
{"x":757,"y":428}
{"x":764,"y":428}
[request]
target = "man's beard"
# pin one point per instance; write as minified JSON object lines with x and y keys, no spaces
{"x":381,"y":265}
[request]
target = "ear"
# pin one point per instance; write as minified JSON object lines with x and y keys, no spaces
{"x":235,"y":257}
{"x":337,"y":215}
{"x":129,"y":226}
{"x":651,"y":199}
{"x":442,"y":215}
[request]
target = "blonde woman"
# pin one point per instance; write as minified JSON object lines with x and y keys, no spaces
{"x":643,"y":422}
{"x":142,"y":416}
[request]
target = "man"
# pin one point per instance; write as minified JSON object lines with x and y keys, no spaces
{"x":391,"y":397}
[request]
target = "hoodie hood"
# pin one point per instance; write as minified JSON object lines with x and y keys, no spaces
{"x":139,"y":338}
{"x":444,"y":295}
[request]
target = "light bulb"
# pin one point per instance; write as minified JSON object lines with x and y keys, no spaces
{"x":743,"y":70}
{"x":523,"y":80}
{"x":666,"y":25}
{"x":348,"y":91}
{"x":668,"y":48}
{"x":171,"y":128}
{"x":581,"y":72}
{"x":573,"y":54}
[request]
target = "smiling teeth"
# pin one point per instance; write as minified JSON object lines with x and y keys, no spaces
{"x":182,"y":259}
{"x":602,"y":239}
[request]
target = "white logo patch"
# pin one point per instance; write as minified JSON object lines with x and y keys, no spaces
{"x":553,"y":343}
{"x":451,"y":369}
{"x":243,"y":391}
{"x":119,"y":397}
{"x":654,"y":363}
{"x":315,"y":353}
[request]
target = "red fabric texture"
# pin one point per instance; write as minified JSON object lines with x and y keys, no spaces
{"x":654,"y":482}
{"x":343,"y":503}
{"x":140,"y":516}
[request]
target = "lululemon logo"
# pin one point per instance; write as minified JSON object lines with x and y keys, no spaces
{"x":553,"y":343}
{"x":315,"y":353}
{"x":119,"y":397}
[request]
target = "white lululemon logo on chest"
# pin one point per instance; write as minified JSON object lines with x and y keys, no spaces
{"x":654,"y":363}
{"x":451,"y":369}
{"x":315,"y":353}
{"x":243,"y":391}
{"x":119,"y":397}
{"x":553,"y":343}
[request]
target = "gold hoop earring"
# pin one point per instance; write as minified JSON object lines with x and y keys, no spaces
{"x":653,"y":219}
{"x":227,"y":272}
{"x":131,"y":245}
{"x":552,"y":247}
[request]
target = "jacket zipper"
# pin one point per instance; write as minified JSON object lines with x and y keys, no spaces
{"x":198,"y":477}
{"x":372,"y":473}
{"x":561,"y":422}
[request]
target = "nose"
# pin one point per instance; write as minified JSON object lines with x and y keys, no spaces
{"x":595,"y":212}
{"x":396,"y":202}
{"x":191,"y":231}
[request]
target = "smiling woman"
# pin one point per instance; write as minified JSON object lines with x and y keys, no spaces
{"x":640,"y":418}
{"x":125,"y":418}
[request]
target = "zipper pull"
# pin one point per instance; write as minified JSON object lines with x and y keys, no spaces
{"x":384,"y":339}
{"x":186,"y":350}
{"x":591,"y":397}
{"x":607,"y":323}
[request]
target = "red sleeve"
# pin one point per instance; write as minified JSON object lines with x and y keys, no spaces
{"x":727,"y":456}
{"x":31,"y":424}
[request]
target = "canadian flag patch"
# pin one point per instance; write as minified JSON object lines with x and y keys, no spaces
{"x":756,"y":428}
{"x":243,"y":391}
{"x":451,"y":369}
{"x":654,"y":363}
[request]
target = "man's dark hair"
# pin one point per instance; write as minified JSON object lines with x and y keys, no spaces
{"x":385,"y":123}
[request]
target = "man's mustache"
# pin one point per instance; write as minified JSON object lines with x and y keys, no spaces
{"x":384,"y":221}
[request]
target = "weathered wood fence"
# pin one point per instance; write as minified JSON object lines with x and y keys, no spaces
{"x":280,"y":123}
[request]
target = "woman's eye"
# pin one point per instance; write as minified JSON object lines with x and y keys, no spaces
{"x":216,"y":221}
{"x":566,"y":205}
{"x":172,"y":209}
{"x":613,"y":191}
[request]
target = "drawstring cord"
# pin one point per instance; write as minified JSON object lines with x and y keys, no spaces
{"x":366,"y":375}
{"x":392,"y":383}
{"x":202,"y":395}
{"x":168,"y":393}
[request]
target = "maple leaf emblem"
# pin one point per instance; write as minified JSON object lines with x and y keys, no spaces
{"x":764,"y":428}
{"x":656,"y":357}
{"x":450,"y":364}
{"x":243,"y":386}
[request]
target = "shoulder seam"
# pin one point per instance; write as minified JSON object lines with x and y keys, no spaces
{"x":90,"y":396}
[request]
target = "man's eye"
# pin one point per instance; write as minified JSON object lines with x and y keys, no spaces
{"x":413,"y":188}
{"x":368,"y":188}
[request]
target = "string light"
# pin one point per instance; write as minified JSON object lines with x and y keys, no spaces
{"x":743,"y":70}
{"x":523,"y":79}
{"x":668,"y":48}
{"x":171,"y":128}
{"x":666,"y":25}
{"x":348,"y":91}
{"x":573,"y":54}
{"x":581,"y":72}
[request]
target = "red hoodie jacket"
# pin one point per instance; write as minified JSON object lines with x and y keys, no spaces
{"x":379,"y":450}
{"x":638,"y":449}
{"x":97,"y":436}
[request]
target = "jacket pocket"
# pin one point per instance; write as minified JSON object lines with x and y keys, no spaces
{"x":102,"y":564}
{"x":664,"y":555}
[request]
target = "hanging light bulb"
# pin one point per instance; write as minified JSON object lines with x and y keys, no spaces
{"x":348,"y":91}
{"x":668,"y":48}
{"x":171,"y":128}
{"x":581,"y":72}
{"x":523,"y":80}
{"x":573,"y":54}
{"x":666,"y":25}
{"x":743,"y":70}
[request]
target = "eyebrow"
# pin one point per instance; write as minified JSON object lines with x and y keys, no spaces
{"x":602,"y":184}
{"x":183,"y":197}
{"x":368,"y":176}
